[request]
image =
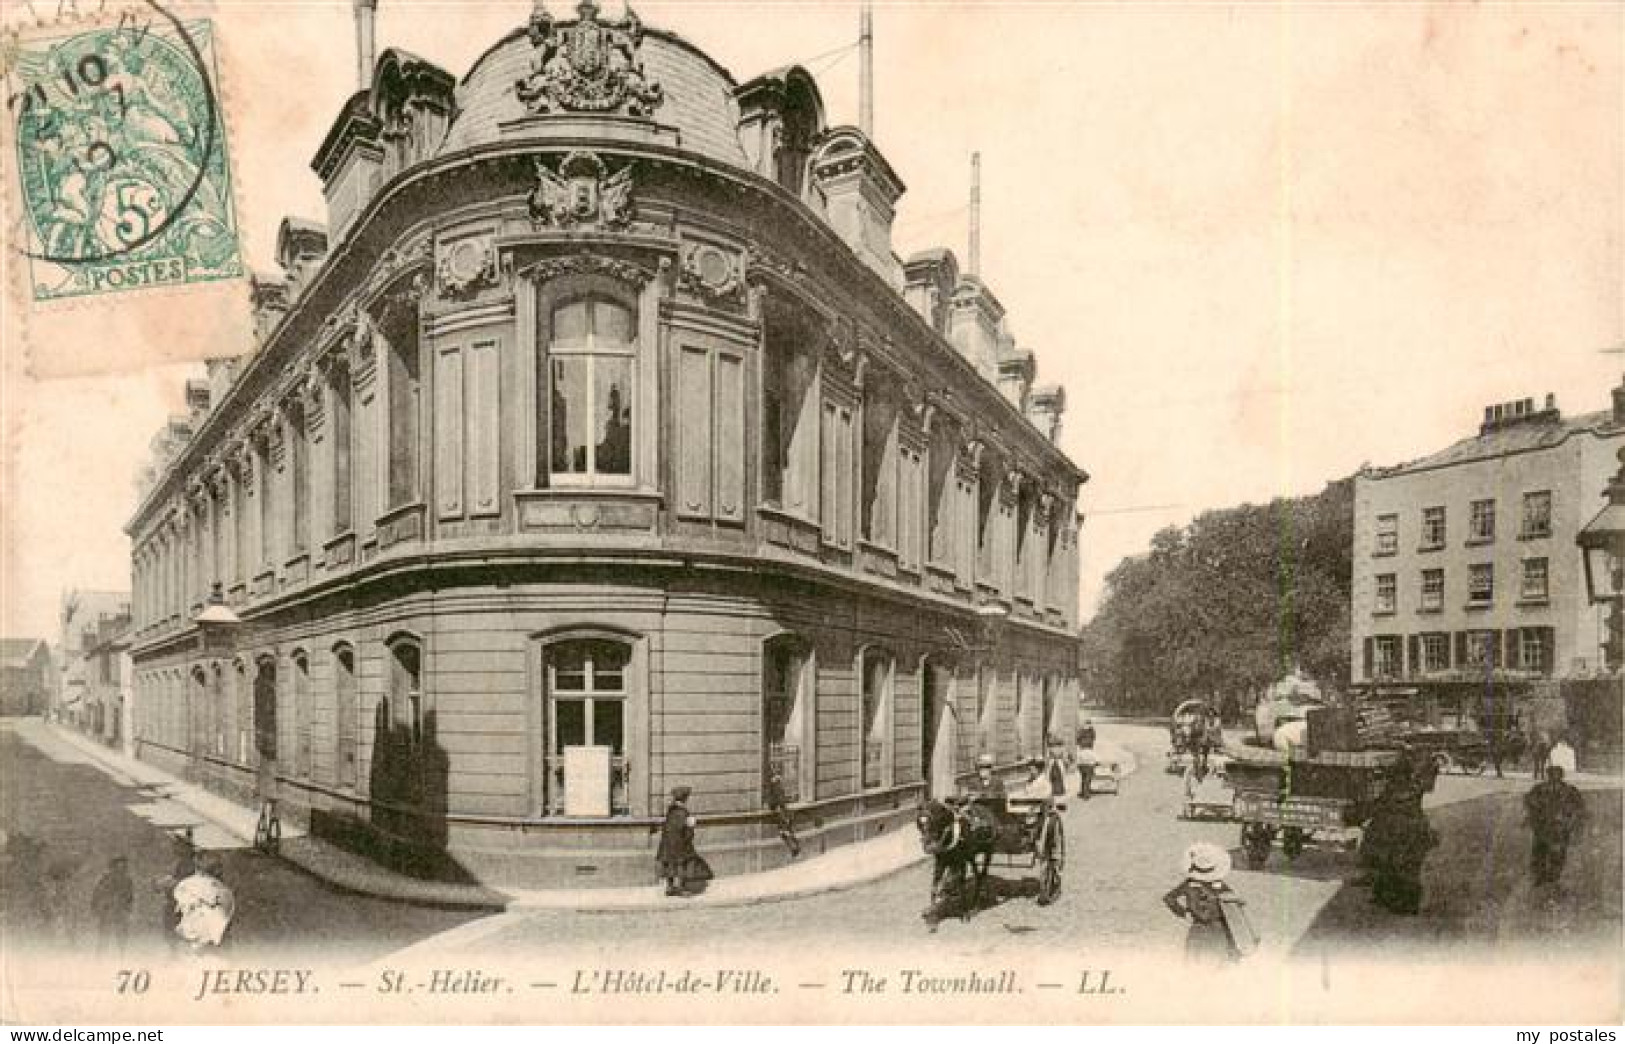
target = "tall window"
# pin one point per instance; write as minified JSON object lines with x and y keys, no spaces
{"x":1432,"y":589}
{"x":404,"y":388}
{"x":348,"y":711}
{"x":299,"y":481}
{"x":1435,"y":652}
{"x":1480,"y":583}
{"x":218,"y":712}
{"x":1388,"y":662}
{"x":835,"y":500}
{"x":339,"y":397}
{"x":587,"y":688}
{"x":786,"y":691}
{"x":940,"y":499}
{"x":245,"y":715}
{"x":880,"y":472}
{"x":406,"y":687}
{"x":1433,"y":527}
{"x":1387,"y":535}
{"x":590,"y":391}
{"x":1535,"y":577}
{"x":1387,"y":593}
{"x":1535,"y":649}
{"x":1537,"y":515}
{"x":1481,"y":528}
{"x":264,"y":519}
{"x":877,"y":696}
{"x":301,"y":716}
{"x":1481,"y":648}
{"x":910,"y":506}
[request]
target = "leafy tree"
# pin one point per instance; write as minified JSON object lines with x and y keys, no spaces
{"x":1222,"y":607}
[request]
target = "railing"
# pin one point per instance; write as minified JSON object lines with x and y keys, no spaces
{"x":874,"y":759}
{"x":784,"y":759}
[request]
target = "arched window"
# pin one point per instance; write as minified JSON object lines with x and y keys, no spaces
{"x":243,"y":718}
{"x":219,"y":709}
{"x":878,"y":676}
{"x":406,"y":687}
{"x":587,"y":687}
{"x":348,"y":711}
{"x":591,"y":392}
{"x":787,"y":694}
{"x":301,"y":715}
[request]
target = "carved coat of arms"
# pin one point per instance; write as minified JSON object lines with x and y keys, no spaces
{"x":587,"y":66}
{"x":582,"y":192}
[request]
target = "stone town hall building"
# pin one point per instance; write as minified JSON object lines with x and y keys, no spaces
{"x":597,"y":444}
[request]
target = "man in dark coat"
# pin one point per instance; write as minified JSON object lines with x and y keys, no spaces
{"x":1396,"y":843}
{"x":1557,"y":813}
{"x":677,"y":842}
{"x":110,"y":904}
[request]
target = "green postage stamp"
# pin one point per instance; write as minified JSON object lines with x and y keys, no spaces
{"x":121,"y":158}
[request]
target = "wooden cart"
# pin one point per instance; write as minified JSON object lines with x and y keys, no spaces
{"x":1302,"y":799}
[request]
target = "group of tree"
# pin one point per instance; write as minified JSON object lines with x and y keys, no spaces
{"x":1222,"y":607}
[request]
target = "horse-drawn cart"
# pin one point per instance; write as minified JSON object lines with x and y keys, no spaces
{"x":1191,"y":736}
{"x":1301,"y":798}
{"x":965,"y":834}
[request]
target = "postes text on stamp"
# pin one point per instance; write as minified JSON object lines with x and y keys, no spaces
{"x":121,"y":158}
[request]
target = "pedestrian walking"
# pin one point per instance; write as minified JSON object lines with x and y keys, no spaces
{"x":1556,"y":814}
{"x":1540,"y":751}
{"x":1396,"y":843}
{"x":1087,"y":759}
{"x":110,"y":904}
{"x":1086,"y":734}
{"x":1220,"y":932}
{"x":685,"y":872}
{"x":781,"y":813}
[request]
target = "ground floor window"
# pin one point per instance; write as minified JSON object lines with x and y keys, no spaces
{"x":587,"y":689}
{"x":785,"y":695}
{"x":1386,"y":663}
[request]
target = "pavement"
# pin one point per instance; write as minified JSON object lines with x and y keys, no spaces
{"x":221,"y":823}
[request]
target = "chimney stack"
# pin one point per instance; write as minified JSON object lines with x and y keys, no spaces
{"x":364,"y":43}
{"x":866,"y":74}
{"x":975,"y":253}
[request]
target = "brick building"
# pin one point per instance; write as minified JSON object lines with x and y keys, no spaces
{"x":1468,"y":585}
{"x":598,"y":443}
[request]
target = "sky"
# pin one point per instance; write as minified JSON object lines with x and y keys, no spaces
{"x":1259,"y":244}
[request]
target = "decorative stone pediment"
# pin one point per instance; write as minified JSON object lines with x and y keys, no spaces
{"x":590,"y":65}
{"x":588,"y":264}
{"x":582,"y":192}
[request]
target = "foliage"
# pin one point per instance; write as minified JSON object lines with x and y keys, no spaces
{"x":1222,"y":607}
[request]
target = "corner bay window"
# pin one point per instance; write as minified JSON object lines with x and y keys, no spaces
{"x":590,"y":392}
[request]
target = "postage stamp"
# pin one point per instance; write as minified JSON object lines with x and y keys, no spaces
{"x":121,"y":158}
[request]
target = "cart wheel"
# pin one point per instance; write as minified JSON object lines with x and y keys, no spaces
{"x":1256,"y":839}
{"x":1292,"y":842}
{"x":1052,"y":862}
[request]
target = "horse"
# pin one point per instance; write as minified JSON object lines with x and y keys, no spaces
{"x":958,"y":837}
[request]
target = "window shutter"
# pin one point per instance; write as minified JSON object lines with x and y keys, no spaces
{"x":693,"y":422}
{"x":448,"y":436}
{"x":729,"y":438}
{"x":1367,"y":656}
{"x":1413,"y":654}
{"x":1548,"y":646}
{"x":1460,"y":659}
{"x":484,"y":429}
{"x":1512,"y":648}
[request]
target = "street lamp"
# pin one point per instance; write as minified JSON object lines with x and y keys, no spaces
{"x":218,"y":623}
{"x":1602,"y":543}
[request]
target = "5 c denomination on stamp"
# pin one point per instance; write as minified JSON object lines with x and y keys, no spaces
{"x":121,"y":158}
